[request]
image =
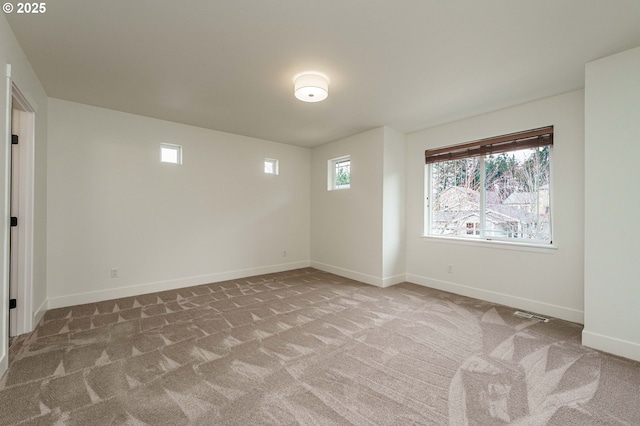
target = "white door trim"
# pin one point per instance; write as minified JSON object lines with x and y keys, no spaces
{"x":4,"y":233}
{"x":26,"y":132}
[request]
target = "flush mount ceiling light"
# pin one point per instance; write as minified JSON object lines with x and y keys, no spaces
{"x":311,"y":86}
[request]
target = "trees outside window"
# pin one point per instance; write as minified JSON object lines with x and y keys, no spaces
{"x":343,"y":174}
{"x":339,"y":172}
{"x":503,"y":196}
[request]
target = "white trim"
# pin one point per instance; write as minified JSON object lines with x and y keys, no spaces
{"x":26,"y":133}
{"x":4,"y":278}
{"x":23,"y":101}
{"x":535,"y":306}
{"x":348,"y":273}
{"x":275,"y":166}
{"x":136,"y":290}
{"x":495,"y":244}
{"x":552,"y":185}
{"x":331,"y":173}
{"x":359,"y":276}
{"x":426,"y":205}
{"x":483,"y":199}
{"x":39,"y":313}
{"x":611,"y":345}
{"x":171,"y":147}
{"x":428,"y":213}
{"x":393,"y":280}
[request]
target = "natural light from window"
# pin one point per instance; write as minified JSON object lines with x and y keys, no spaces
{"x":503,"y":197}
{"x":271,"y":166}
{"x":170,"y":153}
{"x":339,"y":173}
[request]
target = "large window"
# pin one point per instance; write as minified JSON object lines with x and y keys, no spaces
{"x":494,"y":189}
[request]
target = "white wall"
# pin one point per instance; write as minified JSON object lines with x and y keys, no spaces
{"x":393,"y":211}
{"x":346,"y":224}
{"x":26,"y":80}
{"x":612,"y":203}
{"x":112,"y":204}
{"x":548,"y":282}
{"x":359,"y":232}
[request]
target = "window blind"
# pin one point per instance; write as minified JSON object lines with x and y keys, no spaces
{"x":522,"y":140}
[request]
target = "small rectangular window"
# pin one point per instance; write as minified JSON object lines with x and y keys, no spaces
{"x":170,"y":153}
{"x":271,"y":166}
{"x":339,"y":173}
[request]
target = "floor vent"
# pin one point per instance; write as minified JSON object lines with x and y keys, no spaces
{"x":531,"y":316}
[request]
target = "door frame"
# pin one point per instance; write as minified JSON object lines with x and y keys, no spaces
{"x":24,"y":275}
{"x":25,"y":320}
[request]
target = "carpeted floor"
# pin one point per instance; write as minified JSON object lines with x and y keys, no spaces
{"x":308,"y":347}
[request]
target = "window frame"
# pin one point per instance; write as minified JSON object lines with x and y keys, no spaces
{"x":482,"y":239}
{"x":275,"y":163}
{"x":173,"y":147}
{"x":332,"y":175}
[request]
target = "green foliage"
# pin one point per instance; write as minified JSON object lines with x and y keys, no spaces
{"x":500,"y":174}
{"x":343,"y":177}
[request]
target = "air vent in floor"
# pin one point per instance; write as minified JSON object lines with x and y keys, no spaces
{"x":531,"y":316}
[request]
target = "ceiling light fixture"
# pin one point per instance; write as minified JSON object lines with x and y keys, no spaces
{"x":311,"y":86}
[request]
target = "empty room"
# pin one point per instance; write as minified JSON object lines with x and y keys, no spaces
{"x":282,"y":212}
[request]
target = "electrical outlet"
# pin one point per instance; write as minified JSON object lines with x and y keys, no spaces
{"x":284,"y":253}
{"x":115,"y":273}
{"x":450,"y":269}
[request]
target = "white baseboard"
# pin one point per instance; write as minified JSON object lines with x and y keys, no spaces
{"x":393,"y":280}
{"x":611,"y":345}
{"x":535,"y":306}
{"x":136,"y":290}
{"x":359,"y":276}
{"x":39,"y":313}
{"x":4,"y":361}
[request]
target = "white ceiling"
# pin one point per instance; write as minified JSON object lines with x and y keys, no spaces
{"x":408,"y":64}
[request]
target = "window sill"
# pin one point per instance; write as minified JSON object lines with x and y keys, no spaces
{"x":494,"y":244}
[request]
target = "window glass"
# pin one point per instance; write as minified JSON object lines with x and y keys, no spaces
{"x":495,"y":197}
{"x":170,"y":153}
{"x":517,"y":195}
{"x":339,"y":173}
{"x":343,"y":173}
{"x":456,"y":196}
{"x":271,"y":166}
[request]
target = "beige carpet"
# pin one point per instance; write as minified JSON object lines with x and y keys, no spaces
{"x":307,"y":347}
